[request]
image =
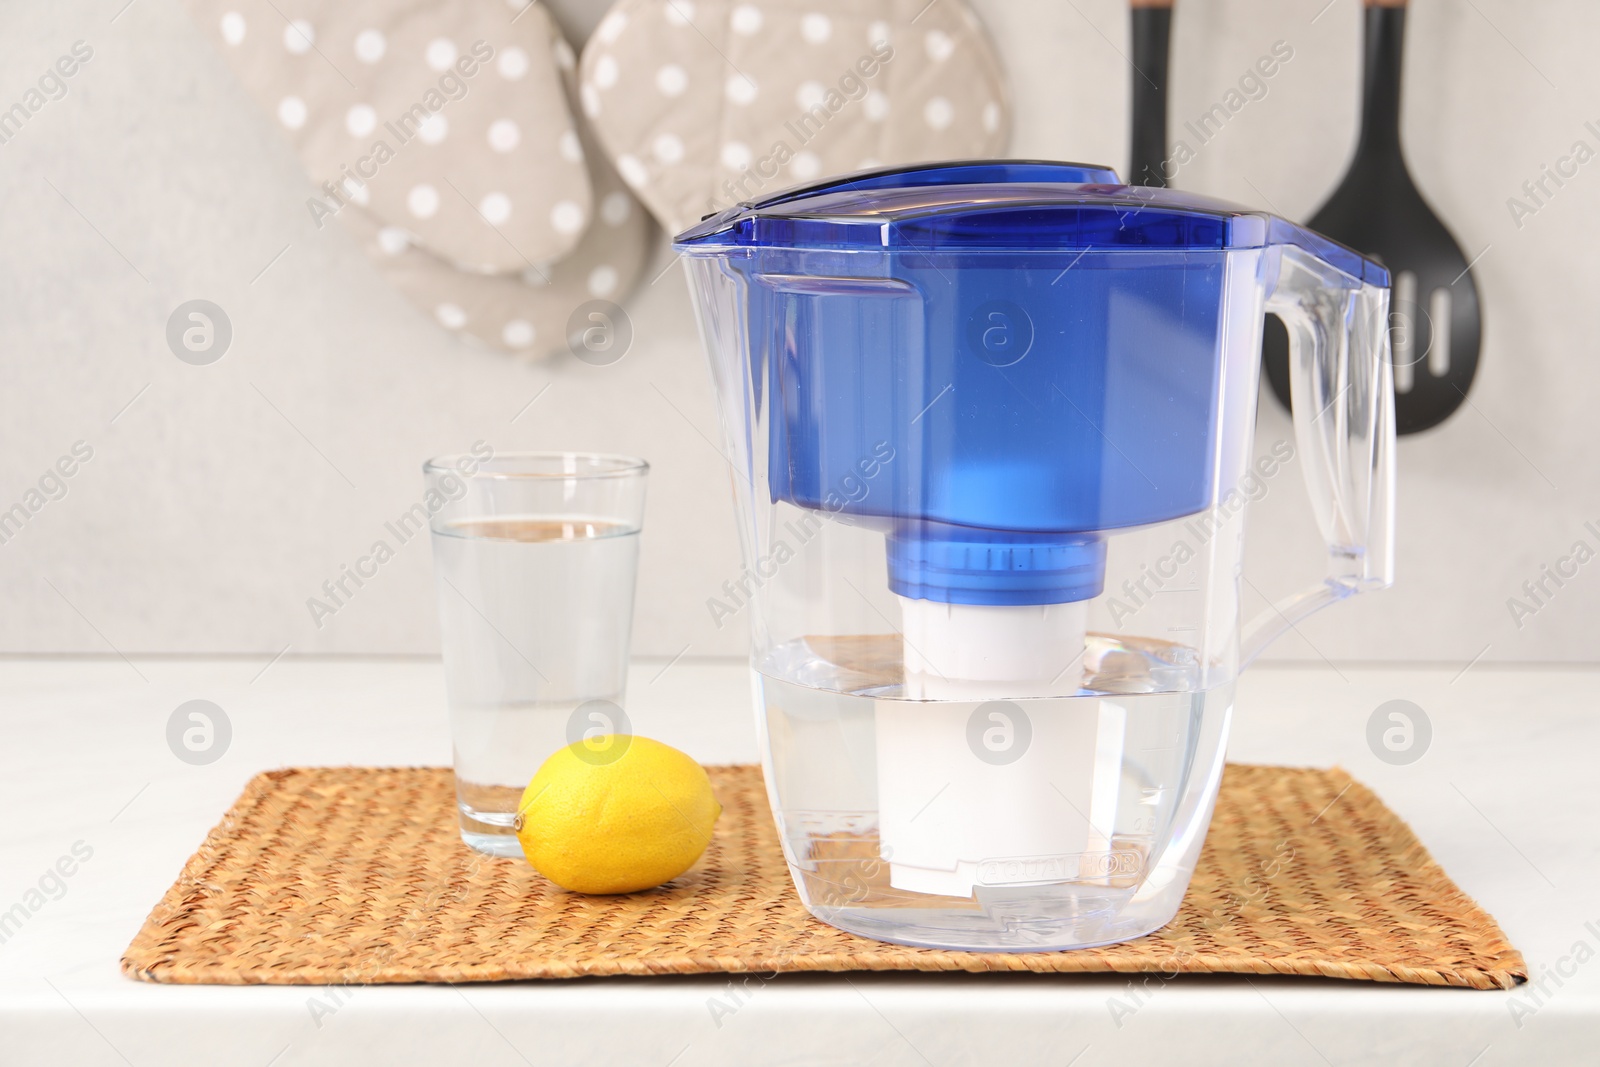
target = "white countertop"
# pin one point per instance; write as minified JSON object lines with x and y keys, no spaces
{"x":1503,"y":799}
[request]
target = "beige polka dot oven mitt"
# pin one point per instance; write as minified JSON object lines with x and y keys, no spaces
{"x":705,"y":103}
{"x":443,"y":135}
{"x":536,"y":307}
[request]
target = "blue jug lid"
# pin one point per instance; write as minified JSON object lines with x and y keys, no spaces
{"x":1003,"y":206}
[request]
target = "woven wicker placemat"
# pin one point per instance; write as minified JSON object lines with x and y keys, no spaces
{"x":357,"y":875}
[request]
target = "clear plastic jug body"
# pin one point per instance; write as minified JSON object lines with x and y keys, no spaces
{"x":992,"y":508}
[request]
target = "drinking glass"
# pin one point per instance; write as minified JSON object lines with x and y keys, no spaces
{"x":535,"y":555}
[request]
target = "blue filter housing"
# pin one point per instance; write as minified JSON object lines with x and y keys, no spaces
{"x":1031,"y":407}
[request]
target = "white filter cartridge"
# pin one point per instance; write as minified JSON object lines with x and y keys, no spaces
{"x":982,"y":783}
{"x":991,"y":651}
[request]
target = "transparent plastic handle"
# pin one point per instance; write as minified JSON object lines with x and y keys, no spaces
{"x":1341,"y":382}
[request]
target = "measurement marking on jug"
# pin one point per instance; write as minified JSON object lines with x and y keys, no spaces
{"x":1021,"y":870}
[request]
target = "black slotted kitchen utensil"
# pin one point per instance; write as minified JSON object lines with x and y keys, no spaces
{"x":1151,"y":32}
{"x":1435,"y":323}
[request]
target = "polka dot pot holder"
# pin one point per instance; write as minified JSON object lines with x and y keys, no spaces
{"x":542,"y":306}
{"x":705,"y":103}
{"x":443,"y":136}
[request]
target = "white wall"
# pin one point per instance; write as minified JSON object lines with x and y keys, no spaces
{"x":205,"y":520}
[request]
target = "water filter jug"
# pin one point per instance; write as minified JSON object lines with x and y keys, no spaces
{"x":991,"y":427}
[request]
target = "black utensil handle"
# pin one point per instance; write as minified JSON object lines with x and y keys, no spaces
{"x":1152,"y":34}
{"x":1384,"y":43}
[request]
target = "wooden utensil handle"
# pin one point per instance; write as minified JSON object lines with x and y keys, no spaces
{"x":1151,"y":3}
{"x":1386,"y":3}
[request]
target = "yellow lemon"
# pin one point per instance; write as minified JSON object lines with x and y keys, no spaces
{"x":616,"y":814}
